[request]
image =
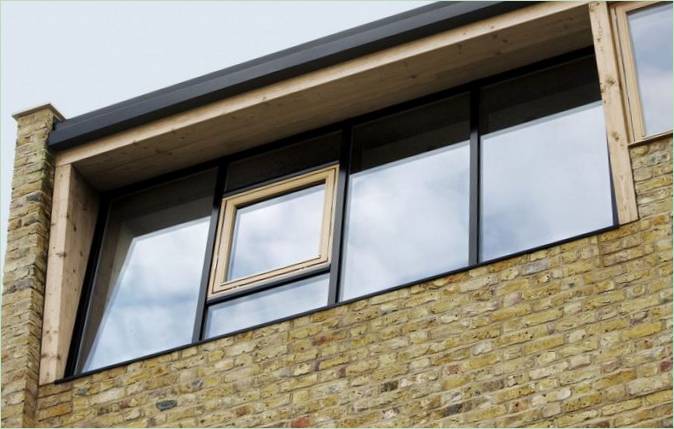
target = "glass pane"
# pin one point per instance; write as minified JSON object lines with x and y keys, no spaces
{"x":283,"y":161}
{"x":545,"y":169}
{"x":267,"y":306}
{"x":149,"y":272}
{"x":408,"y":205}
{"x":277,"y":232}
{"x":651,"y":33}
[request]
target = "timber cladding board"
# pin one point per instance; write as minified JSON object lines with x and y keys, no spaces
{"x":346,"y":90}
{"x":73,"y":219}
{"x":614,"y":111}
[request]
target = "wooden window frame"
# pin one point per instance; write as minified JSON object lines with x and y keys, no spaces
{"x":226,"y":223}
{"x":628,"y":69}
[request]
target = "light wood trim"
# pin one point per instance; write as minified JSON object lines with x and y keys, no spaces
{"x":73,"y":219}
{"x":348,"y":68}
{"x":221,"y":258}
{"x":334,"y":93}
{"x":628,"y":67}
{"x":614,"y":113}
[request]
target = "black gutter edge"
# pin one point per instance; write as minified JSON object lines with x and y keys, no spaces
{"x":269,"y":69}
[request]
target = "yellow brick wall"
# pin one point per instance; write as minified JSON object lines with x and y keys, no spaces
{"x":25,"y":267}
{"x":574,"y":335}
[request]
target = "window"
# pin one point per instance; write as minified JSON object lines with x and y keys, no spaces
{"x":274,"y":231}
{"x":274,"y":235}
{"x":544,"y":161}
{"x":148,"y":272}
{"x":645,"y":33}
{"x":284,"y":160}
{"x":396,"y":197}
{"x":408,"y":198}
{"x":268,"y":305}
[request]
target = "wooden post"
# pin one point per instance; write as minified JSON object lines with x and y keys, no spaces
{"x":73,"y":216}
{"x":614,"y":112}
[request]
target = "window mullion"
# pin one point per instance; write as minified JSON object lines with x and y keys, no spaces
{"x":474,"y":216}
{"x":340,"y":213}
{"x":202,"y":307}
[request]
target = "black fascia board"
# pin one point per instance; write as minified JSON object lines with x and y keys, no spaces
{"x":269,"y":69}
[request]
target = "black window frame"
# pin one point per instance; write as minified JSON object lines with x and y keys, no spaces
{"x":334,"y":268}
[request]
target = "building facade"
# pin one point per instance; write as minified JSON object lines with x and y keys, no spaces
{"x":456,"y":216}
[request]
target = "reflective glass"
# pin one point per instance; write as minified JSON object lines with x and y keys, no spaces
{"x":266,"y":306}
{"x":277,"y":232}
{"x":651,"y":33}
{"x":283,"y":161}
{"x":408,"y":205}
{"x":149,"y":272}
{"x":544,"y":160}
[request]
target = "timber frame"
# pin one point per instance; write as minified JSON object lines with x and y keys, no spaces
{"x":628,"y":71}
{"x":223,"y":247}
{"x":334,"y":93}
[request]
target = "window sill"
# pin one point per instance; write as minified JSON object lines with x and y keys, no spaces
{"x":651,"y":138}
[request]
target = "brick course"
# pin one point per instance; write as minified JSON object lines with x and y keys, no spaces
{"x":574,"y":335}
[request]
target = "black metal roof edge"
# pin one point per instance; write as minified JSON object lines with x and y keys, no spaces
{"x":285,"y":64}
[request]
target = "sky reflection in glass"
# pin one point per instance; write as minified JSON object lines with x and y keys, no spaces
{"x":152,"y":304}
{"x":407,"y":220}
{"x":277,"y":232}
{"x":283,"y":161}
{"x":267,"y":306}
{"x":148,"y":276}
{"x":651,"y":34}
{"x":544,"y":181}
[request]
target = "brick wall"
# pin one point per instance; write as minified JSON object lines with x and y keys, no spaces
{"x":25,"y":266}
{"x":575,"y":335}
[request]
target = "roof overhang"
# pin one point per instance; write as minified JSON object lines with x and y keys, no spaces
{"x":273,"y":68}
{"x":365,"y":69}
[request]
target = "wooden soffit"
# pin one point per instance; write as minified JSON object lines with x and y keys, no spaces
{"x":332,"y":94}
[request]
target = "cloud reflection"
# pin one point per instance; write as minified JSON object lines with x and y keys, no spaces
{"x":266,"y":306}
{"x":544,"y":180}
{"x":651,"y":33}
{"x":407,"y":220}
{"x":153,"y":302}
{"x":278,"y":232}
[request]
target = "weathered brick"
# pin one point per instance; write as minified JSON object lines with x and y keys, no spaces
{"x":647,"y":385}
{"x":643,"y":330}
{"x":620,"y":407}
{"x":543,"y":344}
{"x":662,"y":397}
{"x":580,"y":402}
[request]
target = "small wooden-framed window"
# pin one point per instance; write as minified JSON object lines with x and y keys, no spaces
{"x":644,"y":33}
{"x":274,"y":231}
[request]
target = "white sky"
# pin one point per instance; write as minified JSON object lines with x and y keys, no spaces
{"x":84,"y":55}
